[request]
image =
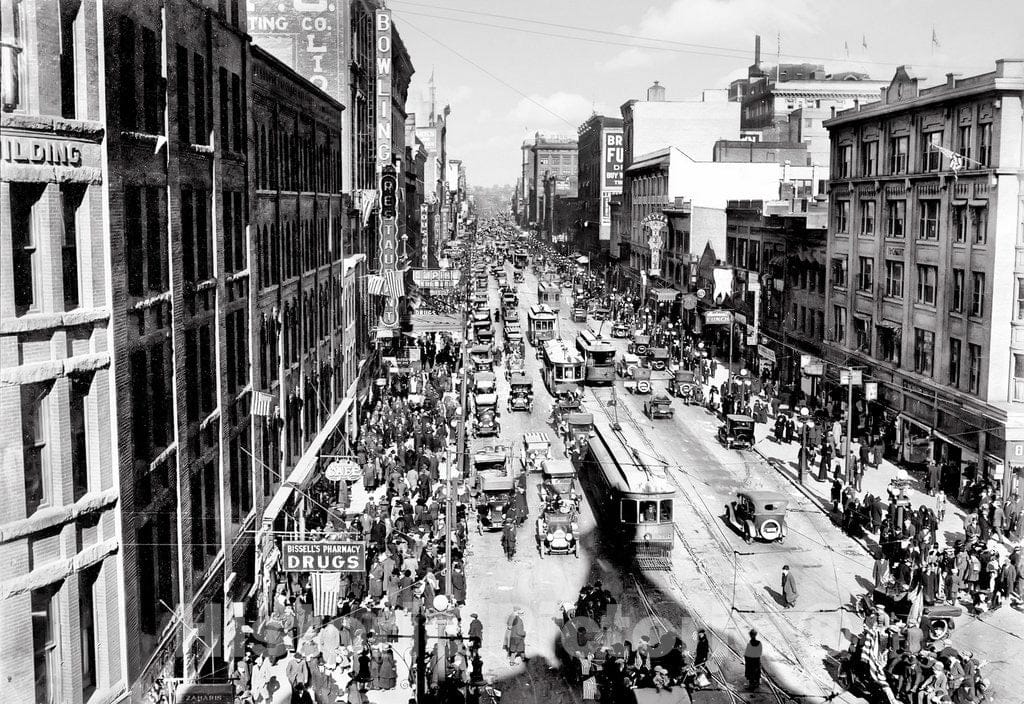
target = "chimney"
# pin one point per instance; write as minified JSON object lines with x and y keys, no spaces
{"x":757,"y":50}
{"x":656,"y":93}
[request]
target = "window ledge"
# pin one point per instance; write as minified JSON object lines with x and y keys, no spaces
{"x":42,"y":321}
{"x":144,"y":303}
{"x":200,"y":149}
{"x":58,"y":515}
{"x":57,"y":126}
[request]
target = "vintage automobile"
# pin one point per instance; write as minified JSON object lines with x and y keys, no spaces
{"x":580,"y":427}
{"x":520,"y":396}
{"x":563,"y":406}
{"x":620,"y":330}
{"x":486,"y":415}
{"x":737,"y":431}
{"x":659,"y":406}
{"x":481,"y":315}
{"x":559,"y":483}
{"x":640,"y":381}
{"x":509,"y":299}
{"x":681,"y":385}
{"x":639,"y":345}
{"x":479,"y":302}
{"x":558,"y":531}
{"x":601,"y":313}
{"x":626,"y":365}
{"x":514,"y":364}
{"x":579,"y":313}
{"x":536,"y":448}
{"x":936,"y":620}
{"x":657,"y":358}
{"x":496,"y":485}
{"x":483,"y":360}
{"x":758,"y":515}
{"x":511,"y":315}
{"x":518,"y":276}
{"x":484,"y":332}
{"x":484,"y":382}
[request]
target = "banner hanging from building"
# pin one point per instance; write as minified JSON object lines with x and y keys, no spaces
{"x":387,"y":221}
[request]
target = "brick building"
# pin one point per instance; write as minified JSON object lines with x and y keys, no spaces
{"x":600,"y":157}
{"x":60,"y":599}
{"x":926,"y":285}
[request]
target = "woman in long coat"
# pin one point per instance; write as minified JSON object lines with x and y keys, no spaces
{"x":388,"y":671}
{"x":377,"y":581}
{"x":517,"y":636}
{"x":375,"y":664}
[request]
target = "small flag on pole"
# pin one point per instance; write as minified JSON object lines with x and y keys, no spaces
{"x":375,"y":285}
{"x":261,"y":404}
{"x":846,"y":45}
{"x":395,"y":283}
{"x":864,"y":40}
{"x":935,"y":38}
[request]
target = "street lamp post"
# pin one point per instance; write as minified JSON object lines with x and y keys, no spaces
{"x":805,"y":424}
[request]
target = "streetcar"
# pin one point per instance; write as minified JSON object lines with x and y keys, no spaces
{"x":599,"y":355}
{"x":563,"y":369}
{"x":627,"y":494}
{"x":549,"y":293}
{"x":541,"y":322}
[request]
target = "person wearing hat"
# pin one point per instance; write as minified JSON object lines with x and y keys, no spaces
{"x":789,"y":592}
{"x":476,"y":633}
{"x":516,"y":635}
{"x":934,"y":686}
{"x":752,"y":660}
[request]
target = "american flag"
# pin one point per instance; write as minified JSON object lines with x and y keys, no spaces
{"x":262,"y":403}
{"x":375,"y":285}
{"x":395,"y":282}
{"x":326,"y":592}
{"x":871,"y":654}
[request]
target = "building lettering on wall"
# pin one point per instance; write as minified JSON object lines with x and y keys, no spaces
{"x":322,"y":556}
{"x":387,"y":222}
{"x":308,"y":35}
{"x":22,"y":150}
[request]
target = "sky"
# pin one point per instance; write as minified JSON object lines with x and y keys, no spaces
{"x":509,"y":69}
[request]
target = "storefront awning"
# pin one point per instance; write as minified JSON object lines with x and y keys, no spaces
{"x":302,"y":475}
{"x":434,"y":322}
{"x":664,"y":295}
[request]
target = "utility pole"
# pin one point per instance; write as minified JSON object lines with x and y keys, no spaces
{"x":849,"y":415}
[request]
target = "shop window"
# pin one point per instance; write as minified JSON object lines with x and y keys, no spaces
{"x":955,"y":354}
{"x":12,"y":55}
{"x":34,"y":438}
{"x":896,"y":217}
{"x":924,"y":351}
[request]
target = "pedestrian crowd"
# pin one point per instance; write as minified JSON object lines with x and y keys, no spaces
{"x":311,"y":650}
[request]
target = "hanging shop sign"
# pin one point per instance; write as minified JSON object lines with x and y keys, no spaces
{"x":204,"y":694}
{"x":655,"y":224}
{"x":871,"y":391}
{"x":340,"y":469}
{"x":437,"y":278}
{"x":718,"y":317}
{"x":765,"y":353}
{"x":322,"y":556}
{"x":851,"y":376}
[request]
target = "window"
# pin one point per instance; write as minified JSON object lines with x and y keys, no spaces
{"x":929,"y":223}
{"x":227,"y":223}
{"x":207,"y":375}
{"x":225,"y":119}
{"x":973,"y":368}
{"x":79,"y":443}
{"x":188,"y":237}
{"x":869,"y":158}
{"x":34,"y":434}
{"x":236,"y":113}
{"x":957,"y":304}
{"x":931,"y":156}
{"x":839,"y":272}
{"x":205,"y":514}
{"x":889,"y":343}
{"x":192,"y":376}
{"x":926,"y":277}
{"x":924,"y":351}
{"x":1020,"y":298}
{"x":1018,"y":377}
{"x":70,"y":198}
{"x":141,"y":406}
{"x":894,"y":279}
{"x":954,"y":361}
{"x":985,"y":144}
{"x":69,"y":11}
{"x":628,"y":511}
{"x":203,"y":235}
{"x":199,"y":89}
{"x":133,"y":239}
{"x":845,"y":161}
{"x":964,"y":142}
{"x":23,"y":243}
{"x":45,"y":644}
{"x":842,"y":216}
{"x":12,"y":54}
{"x":899,"y":148}
{"x":126,"y":74}
{"x":152,"y":83}
{"x":867,"y":218}
{"x":977,"y":293}
{"x":960,"y":224}
{"x":979,"y":225}
{"x":156,"y":277}
{"x":866,"y":274}
{"x":896,"y":217}
{"x":184,"y":117}
{"x":862,"y":333}
{"x":839,"y":314}
{"x":87,"y":629}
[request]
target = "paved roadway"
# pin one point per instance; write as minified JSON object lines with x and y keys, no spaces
{"x":728,"y":585}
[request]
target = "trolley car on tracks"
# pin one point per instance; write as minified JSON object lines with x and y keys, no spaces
{"x":628,"y":495}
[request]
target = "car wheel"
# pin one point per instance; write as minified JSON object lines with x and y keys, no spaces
{"x":938,"y":629}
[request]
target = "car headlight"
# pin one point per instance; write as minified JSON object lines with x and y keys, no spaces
{"x":550,"y":537}
{"x":570,"y":537}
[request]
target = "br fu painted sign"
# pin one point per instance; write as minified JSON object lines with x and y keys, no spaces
{"x":322,"y":556}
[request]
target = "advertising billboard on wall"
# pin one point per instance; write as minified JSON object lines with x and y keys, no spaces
{"x":614,"y":161}
{"x":308,"y":35}
{"x":387,"y":221}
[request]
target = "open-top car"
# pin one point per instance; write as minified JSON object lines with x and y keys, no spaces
{"x":659,"y":406}
{"x":639,"y":345}
{"x":580,"y":427}
{"x":511,"y":315}
{"x":558,"y":531}
{"x":536,"y":448}
{"x":559,"y":483}
{"x":737,"y":431}
{"x":520,"y":397}
{"x":758,"y":515}
{"x":681,"y":384}
{"x":514,"y":364}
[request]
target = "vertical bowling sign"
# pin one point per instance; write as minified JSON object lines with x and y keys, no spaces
{"x":387,"y":188}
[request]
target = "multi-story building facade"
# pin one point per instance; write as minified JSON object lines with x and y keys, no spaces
{"x":61,"y":606}
{"x":600,"y":164}
{"x":926,"y":276}
{"x":180,"y":283}
{"x":548,"y":155}
{"x":298,"y":223}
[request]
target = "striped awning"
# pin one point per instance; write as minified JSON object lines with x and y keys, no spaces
{"x":664,"y":295}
